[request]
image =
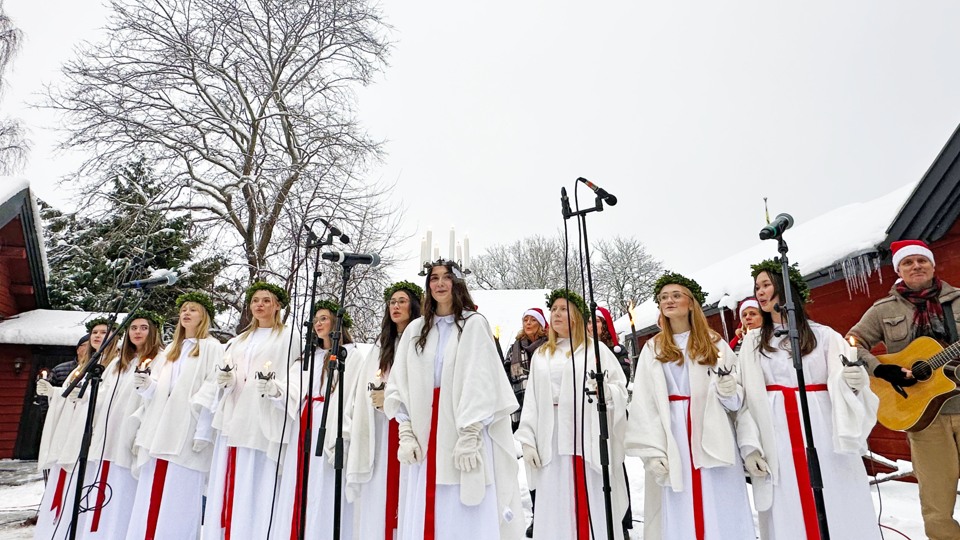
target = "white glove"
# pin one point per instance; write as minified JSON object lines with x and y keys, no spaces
{"x":855,"y":377}
{"x":226,"y":379}
{"x":142,"y":380}
{"x":376,"y":399}
{"x":268,"y":388}
{"x":467,"y":454}
{"x":726,"y":386}
{"x":199,"y":445}
{"x":409,"y":451}
{"x":531,"y":456}
{"x":756,"y":466}
{"x":44,"y":388}
{"x":660,"y":470}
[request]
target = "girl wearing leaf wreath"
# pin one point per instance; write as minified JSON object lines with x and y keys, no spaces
{"x":176,"y":430}
{"x":112,"y":457}
{"x":240,"y":493}
{"x":450,"y":395}
{"x":373,"y":472}
{"x":291,"y":429}
{"x":680,"y":427}
{"x":62,"y":434}
{"x":560,"y":433}
{"x":843,"y":411}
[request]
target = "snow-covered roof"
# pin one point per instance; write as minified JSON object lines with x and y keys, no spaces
{"x":504,"y":308}
{"x":814,"y":245}
{"x":46,"y":327}
{"x":12,"y":185}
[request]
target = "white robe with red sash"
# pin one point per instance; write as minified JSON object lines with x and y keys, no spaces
{"x":841,"y":421}
{"x":53,"y":516}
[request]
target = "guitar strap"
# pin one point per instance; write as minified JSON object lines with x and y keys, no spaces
{"x":951,"y":322}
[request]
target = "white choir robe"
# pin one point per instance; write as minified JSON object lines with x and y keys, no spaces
{"x":59,"y":438}
{"x":171,"y":475}
{"x":111,"y":456}
{"x":841,"y":421}
{"x":658,"y":429}
{"x":321,"y":488}
{"x":551,"y":422}
{"x":473,"y":388}
{"x":369,"y":460}
{"x":244,"y":474}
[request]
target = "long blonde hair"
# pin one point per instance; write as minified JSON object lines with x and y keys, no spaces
{"x":254,"y":323}
{"x":701,"y":345}
{"x":578,"y":331}
{"x":179,"y":334}
{"x":105,"y":359}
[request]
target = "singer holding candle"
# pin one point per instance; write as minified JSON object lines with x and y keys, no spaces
{"x":843,"y":411}
{"x":450,"y":395}
{"x":373,"y":472}
{"x":240,"y":493}
{"x":174,"y":441}
{"x":291,"y":398}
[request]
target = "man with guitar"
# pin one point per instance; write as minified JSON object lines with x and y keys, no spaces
{"x":922,"y":306}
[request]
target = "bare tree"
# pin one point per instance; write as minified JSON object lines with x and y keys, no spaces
{"x":623,"y":271}
{"x":13,"y":142}
{"x":247,"y":108}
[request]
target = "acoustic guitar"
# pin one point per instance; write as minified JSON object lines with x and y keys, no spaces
{"x":936,"y":369}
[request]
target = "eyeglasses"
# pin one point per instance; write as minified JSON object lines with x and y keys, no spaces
{"x":401,"y":302}
{"x":675,"y":296}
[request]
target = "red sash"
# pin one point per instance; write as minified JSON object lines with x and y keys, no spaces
{"x":101,"y":495}
{"x":156,"y":497}
{"x":580,"y":484}
{"x":694,"y":474}
{"x":393,"y":481}
{"x":295,"y":528}
{"x":56,"y":505}
{"x":800,"y":455}
{"x":429,"y":523}
{"x":229,"y":483}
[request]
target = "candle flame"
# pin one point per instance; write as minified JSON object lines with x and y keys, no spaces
{"x":853,"y":341}
{"x":632,"y":311}
{"x":266,"y":366}
{"x":145,"y":363}
{"x":43,"y":374}
{"x":496,"y":331}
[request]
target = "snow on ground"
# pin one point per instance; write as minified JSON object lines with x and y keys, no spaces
{"x":21,"y":488}
{"x":48,"y":327}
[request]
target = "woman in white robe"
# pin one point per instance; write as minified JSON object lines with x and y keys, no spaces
{"x":242,"y":486}
{"x":174,"y":442}
{"x":286,"y":405}
{"x":373,"y":471}
{"x":843,"y":411}
{"x":560,"y":450}
{"x":61,"y":437}
{"x":679,"y":425}
{"x":111,"y":456}
{"x":451,"y":397}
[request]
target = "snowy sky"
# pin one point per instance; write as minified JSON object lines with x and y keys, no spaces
{"x":689,"y":112}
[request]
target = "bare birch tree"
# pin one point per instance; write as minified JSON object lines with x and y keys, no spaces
{"x":13,"y":142}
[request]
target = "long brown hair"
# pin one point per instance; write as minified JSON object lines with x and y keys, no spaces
{"x":128,"y":351}
{"x":808,"y":340}
{"x":179,"y":334}
{"x":701,"y":346}
{"x":461,"y":302}
{"x":578,"y":330}
{"x":389,"y":332}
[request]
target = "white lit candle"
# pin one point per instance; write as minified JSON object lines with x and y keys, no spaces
{"x":459,"y":253}
{"x":429,"y":244}
{"x":436,"y":252}
{"x":266,"y":367}
{"x":424,"y":251}
{"x":453,"y":243}
{"x":466,"y":252}
{"x":853,"y":350}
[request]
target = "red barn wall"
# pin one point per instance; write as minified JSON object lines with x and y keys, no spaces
{"x":13,"y":388}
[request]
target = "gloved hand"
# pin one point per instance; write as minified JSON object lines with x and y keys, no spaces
{"x":226,"y":379}
{"x":409,"y":451}
{"x":531,"y":456}
{"x":44,"y":388}
{"x":142,"y":380}
{"x":726,"y":386}
{"x":467,"y":454}
{"x":268,"y":388}
{"x":376,"y":399}
{"x":756,"y":465}
{"x":894,"y":375}
{"x":855,"y":377}
{"x":199,"y":445}
{"x":660,"y":470}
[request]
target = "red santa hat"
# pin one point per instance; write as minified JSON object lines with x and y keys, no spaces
{"x":604,"y":313}
{"x":537,"y":314}
{"x":749,"y":302}
{"x":904,"y":248}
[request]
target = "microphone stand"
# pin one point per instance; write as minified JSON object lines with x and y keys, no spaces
{"x":598,"y":374}
{"x":310,"y":348}
{"x":813,"y":459}
{"x":336,"y":365}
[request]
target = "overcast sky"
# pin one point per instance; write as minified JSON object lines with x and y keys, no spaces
{"x":689,"y":112}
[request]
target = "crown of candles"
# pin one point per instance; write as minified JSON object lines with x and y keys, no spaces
{"x":458,"y":254}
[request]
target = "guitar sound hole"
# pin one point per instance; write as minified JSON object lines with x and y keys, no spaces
{"x":921,"y":371}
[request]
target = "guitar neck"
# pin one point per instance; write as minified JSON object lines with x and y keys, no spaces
{"x":944,"y":356}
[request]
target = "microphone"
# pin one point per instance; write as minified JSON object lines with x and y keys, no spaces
{"x":601,"y":193}
{"x":335,"y":231}
{"x":352,"y":259}
{"x":776,"y":227}
{"x":166,"y":277}
{"x":564,"y":203}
